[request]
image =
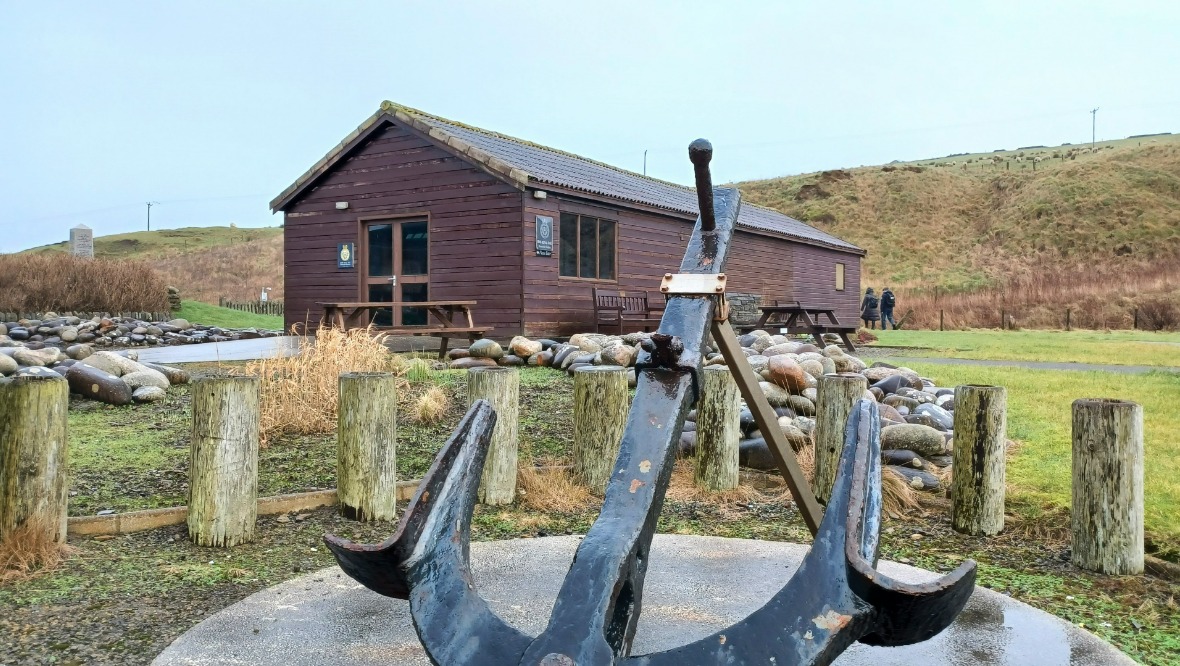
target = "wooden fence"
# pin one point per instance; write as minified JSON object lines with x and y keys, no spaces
{"x":273,"y":308}
{"x":1107,"y":506}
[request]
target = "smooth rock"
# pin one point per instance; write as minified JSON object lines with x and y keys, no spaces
{"x":801,"y":405}
{"x":148,"y":394}
{"x":96,"y":384}
{"x":899,"y":401}
{"x":620,"y":354}
{"x":926,"y":420}
{"x":179,"y":324}
{"x":69,"y":334}
{"x":79,"y":352}
{"x":510,"y":360}
{"x":921,"y":396}
{"x":523,"y":347}
{"x":36,"y":371}
{"x":471,"y":362}
{"x":775,"y":394}
{"x":944,"y":418}
{"x":813,"y":367}
{"x":902,"y":458}
{"x":145,"y":377}
{"x":777,"y":350}
{"x":36,"y":357}
{"x":486,"y":348}
{"x":787,"y":373}
{"x":920,"y":439}
{"x":8,"y":365}
{"x":457,"y":354}
{"x":916,"y":478}
{"x":754,"y":454}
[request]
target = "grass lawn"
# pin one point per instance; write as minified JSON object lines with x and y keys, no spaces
{"x":1109,"y":348}
{"x":1039,"y":418}
{"x":211,"y":315}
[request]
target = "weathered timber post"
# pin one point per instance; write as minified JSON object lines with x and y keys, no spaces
{"x":940,"y":320}
{"x":1135,"y":320}
{"x":1107,"y":515}
{"x":835,"y":398}
{"x":501,"y":388}
{"x":1067,"y":319}
{"x":978,"y":465}
{"x":366,"y":446}
{"x":601,"y":403}
{"x":223,"y":461}
{"x":719,"y":428}
{"x":33,"y":455}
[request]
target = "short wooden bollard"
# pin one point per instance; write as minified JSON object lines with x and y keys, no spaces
{"x":366,"y":446}
{"x":1107,"y":515}
{"x":223,"y":461}
{"x":978,"y":464}
{"x":601,"y":403}
{"x":719,"y":429}
{"x":33,"y":456}
{"x":835,"y":397}
{"x":500,"y":387}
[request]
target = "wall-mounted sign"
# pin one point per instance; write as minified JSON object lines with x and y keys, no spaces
{"x":544,"y":236}
{"x":345,"y":255}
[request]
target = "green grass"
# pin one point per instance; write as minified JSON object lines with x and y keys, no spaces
{"x":211,"y":315}
{"x":1109,"y":348}
{"x":1039,"y":418}
{"x":144,"y":244}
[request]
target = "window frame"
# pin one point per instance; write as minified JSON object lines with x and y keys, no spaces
{"x":841,"y":278}
{"x":577,"y":250}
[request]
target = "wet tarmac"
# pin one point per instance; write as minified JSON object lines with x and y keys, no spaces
{"x":695,"y":586}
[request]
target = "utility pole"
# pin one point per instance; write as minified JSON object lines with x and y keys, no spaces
{"x":645,"y":162}
{"x":149,"y":207}
{"x":1093,"y":124}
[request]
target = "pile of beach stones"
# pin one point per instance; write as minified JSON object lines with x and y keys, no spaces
{"x":116,"y":378}
{"x":59,"y":331}
{"x":917,"y":417}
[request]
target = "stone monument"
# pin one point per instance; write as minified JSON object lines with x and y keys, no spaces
{"x":82,"y":241}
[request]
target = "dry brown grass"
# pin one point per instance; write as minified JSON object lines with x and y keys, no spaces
{"x":65,"y":283}
{"x":28,"y":552}
{"x":897,"y":497}
{"x":553,"y":489}
{"x":431,"y":405}
{"x":300,"y":394}
{"x":238,"y":271}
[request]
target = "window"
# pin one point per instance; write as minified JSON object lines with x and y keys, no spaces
{"x":587,"y":247}
{"x":839,"y":277}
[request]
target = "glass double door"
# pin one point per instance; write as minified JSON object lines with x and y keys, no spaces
{"x":398,"y":269}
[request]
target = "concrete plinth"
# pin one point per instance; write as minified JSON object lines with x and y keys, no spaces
{"x":694,"y":587}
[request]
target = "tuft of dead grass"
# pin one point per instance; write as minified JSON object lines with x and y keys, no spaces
{"x":44,"y":282}
{"x":29,"y":552}
{"x":897,"y":497}
{"x":431,"y":405}
{"x":301,"y":393}
{"x":552,"y":489}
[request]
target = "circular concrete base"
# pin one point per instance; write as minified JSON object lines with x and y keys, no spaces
{"x":694,"y":587}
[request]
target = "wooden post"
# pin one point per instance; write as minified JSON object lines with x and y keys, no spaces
{"x":1107,"y":515}
{"x":977,"y":466}
{"x":719,"y":429}
{"x":1135,"y":320}
{"x":835,"y":398}
{"x":1067,"y":319}
{"x":1003,"y":320}
{"x":366,"y":446}
{"x":500,"y":387}
{"x":223,"y":461}
{"x":601,"y":403}
{"x":33,"y":456}
{"x":940,"y":320}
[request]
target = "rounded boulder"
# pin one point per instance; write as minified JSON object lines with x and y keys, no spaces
{"x":920,"y":439}
{"x":486,"y":348}
{"x":97,"y":384}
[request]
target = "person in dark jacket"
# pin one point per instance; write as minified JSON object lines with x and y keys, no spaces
{"x":888,"y":300}
{"x":870,"y":309}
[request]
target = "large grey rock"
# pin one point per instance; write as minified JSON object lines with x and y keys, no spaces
{"x":471,"y":362}
{"x":920,"y":439}
{"x":8,"y":365}
{"x":523,"y":347}
{"x":36,"y":357}
{"x":943,"y":417}
{"x":180,"y":324}
{"x":148,"y":394}
{"x":486,"y":348}
{"x":801,"y":405}
{"x":175,"y":375}
{"x":146,"y":377}
{"x":98,"y":385}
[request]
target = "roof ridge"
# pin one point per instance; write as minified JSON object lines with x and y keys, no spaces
{"x":389,"y":105}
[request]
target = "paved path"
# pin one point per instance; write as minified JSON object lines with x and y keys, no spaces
{"x":236,"y":350}
{"x":695,"y":586}
{"x":1037,"y":365}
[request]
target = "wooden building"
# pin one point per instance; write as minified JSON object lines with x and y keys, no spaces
{"x":452,"y":212}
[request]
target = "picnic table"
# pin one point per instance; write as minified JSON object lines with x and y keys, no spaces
{"x":452,"y":319}
{"x":798,"y":318}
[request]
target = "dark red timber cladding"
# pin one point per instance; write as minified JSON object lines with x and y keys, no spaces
{"x":814,"y":276}
{"x":474,"y":228}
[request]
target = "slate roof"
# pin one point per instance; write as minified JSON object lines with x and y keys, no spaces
{"x":527,"y":164}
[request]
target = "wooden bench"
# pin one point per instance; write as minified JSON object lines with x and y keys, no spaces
{"x":616,"y":308}
{"x":797,"y":318}
{"x":453,"y":319}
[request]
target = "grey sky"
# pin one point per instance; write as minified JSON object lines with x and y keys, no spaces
{"x":212,"y":108}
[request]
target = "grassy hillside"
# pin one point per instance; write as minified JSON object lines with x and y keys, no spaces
{"x":204,"y":262}
{"x":1098,"y":230}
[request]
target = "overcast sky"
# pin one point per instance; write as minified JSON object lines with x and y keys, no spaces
{"x":212,"y":108}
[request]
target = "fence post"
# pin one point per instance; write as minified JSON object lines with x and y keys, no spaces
{"x":601,"y":403}
{"x":1135,"y":322}
{"x":33,"y":456}
{"x":1067,"y":319}
{"x":500,"y":387}
{"x":1107,"y":507}
{"x":1003,"y":320}
{"x":940,"y":320}
{"x":977,"y":465}
{"x":366,"y":446}
{"x":718,"y":430}
{"x":223,"y":461}
{"x":835,"y":398}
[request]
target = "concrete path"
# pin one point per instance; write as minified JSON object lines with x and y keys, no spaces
{"x":695,"y":586}
{"x":236,"y":350}
{"x":1038,"y":365}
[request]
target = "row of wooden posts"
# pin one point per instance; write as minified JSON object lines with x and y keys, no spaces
{"x":1107,"y":502}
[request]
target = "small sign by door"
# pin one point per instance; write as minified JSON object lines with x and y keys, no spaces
{"x":345,"y":255}
{"x":544,"y":236}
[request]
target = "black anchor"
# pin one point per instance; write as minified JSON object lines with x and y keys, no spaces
{"x":836,"y":596}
